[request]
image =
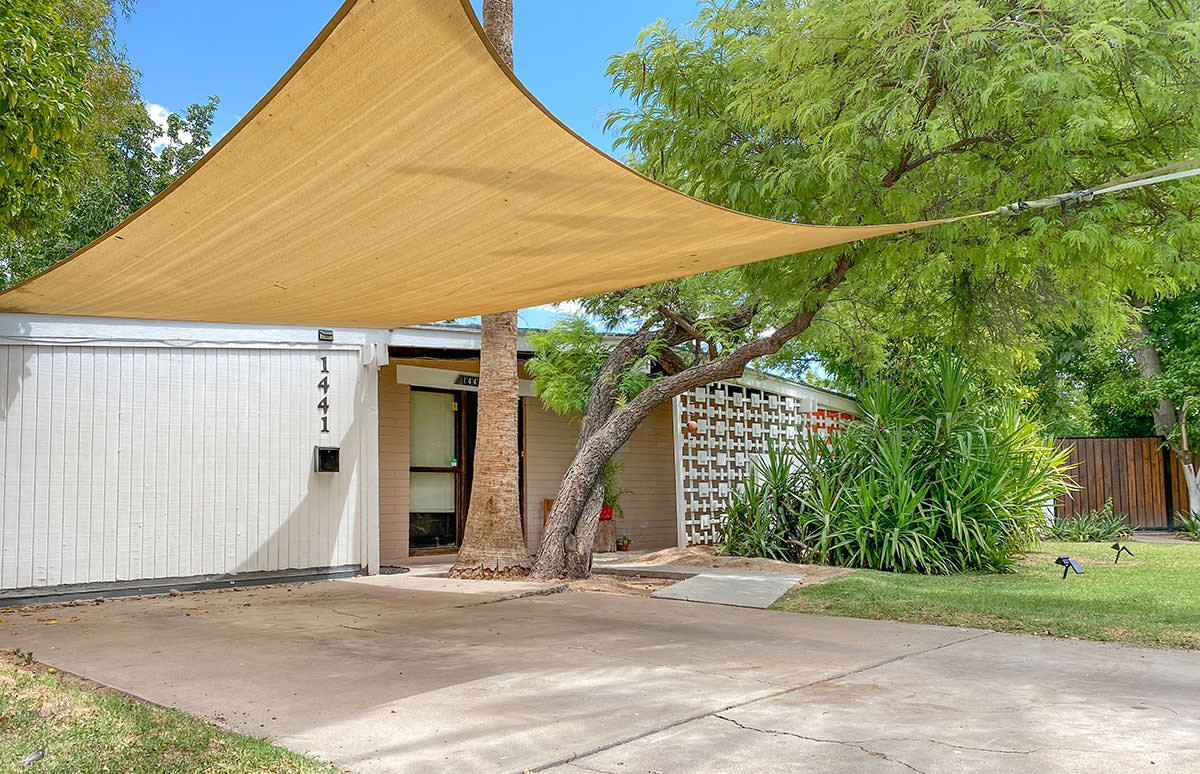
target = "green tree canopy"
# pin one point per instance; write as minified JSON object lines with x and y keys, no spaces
{"x":867,"y":111}
{"x":63,"y":83}
{"x":1086,"y":385}
{"x":129,"y":172}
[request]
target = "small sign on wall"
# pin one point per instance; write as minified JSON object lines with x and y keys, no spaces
{"x":441,"y":379}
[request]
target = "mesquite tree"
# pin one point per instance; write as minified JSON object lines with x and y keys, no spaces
{"x":1165,"y":344}
{"x":853,"y":111}
{"x":695,"y":338}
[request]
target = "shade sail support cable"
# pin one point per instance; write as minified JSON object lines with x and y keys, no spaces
{"x":1068,"y":201}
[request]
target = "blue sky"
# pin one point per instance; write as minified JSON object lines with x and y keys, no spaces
{"x":187,"y":51}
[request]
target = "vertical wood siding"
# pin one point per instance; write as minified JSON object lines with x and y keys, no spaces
{"x":648,"y":472}
{"x":1128,"y":470}
{"x":125,"y":463}
{"x":393,"y":467}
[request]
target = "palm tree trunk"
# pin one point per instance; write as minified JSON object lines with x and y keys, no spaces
{"x":494,"y":545}
{"x":498,"y":24}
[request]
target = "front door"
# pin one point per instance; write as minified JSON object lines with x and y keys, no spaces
{"x":435,"y":474}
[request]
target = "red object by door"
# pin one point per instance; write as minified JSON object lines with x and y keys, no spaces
{"x":606,"y":513}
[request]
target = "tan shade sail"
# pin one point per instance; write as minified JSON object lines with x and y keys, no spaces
{"x":399,"y":174}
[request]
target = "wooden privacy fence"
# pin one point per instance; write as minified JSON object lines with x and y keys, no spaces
{"x":1144,"y":479}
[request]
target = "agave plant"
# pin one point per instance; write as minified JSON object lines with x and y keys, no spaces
{"x":1094,"y":526}
{"x":1188,"y":524}
{"x":760,"y":513}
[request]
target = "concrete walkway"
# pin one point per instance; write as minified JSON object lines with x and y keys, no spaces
{"x":1160,"y":537}
{"x":382,"y":677}
{"x":740,"y":588}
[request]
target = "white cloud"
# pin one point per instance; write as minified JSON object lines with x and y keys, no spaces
{"x":159,"y":114}
{"x":564,"y":307}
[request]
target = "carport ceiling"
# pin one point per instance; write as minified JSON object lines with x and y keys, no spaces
{"x":399,"y":173}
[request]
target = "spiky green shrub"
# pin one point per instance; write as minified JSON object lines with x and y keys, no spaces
{"x":760,"y":514}
{"x":1094,"y":526}
{"x":1188,"y":524}
{"x":932,"y":480}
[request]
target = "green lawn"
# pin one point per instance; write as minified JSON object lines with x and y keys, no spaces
{"x":93,"y":731}
{"x":1151,"y":600}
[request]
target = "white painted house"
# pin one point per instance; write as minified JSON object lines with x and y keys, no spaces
{"x":148,"y":453}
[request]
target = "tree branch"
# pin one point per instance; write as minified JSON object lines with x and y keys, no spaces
{"x":732,"y":364}
{"x":906,"y":165}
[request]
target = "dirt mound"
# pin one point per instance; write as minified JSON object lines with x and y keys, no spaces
{"x":706,"y":556}
{"x":612,"y":584}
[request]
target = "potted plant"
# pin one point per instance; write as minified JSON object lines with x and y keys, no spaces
{"x":623,"y":543}
{"x":610,"y":506}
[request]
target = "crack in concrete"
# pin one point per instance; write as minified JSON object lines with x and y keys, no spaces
{"x":394,"y":634}
{"x":342,"y":612}
{"x":578,"y":765}
{"x":684,"y":721}
{"x":362,"y":629}
{"x":844,"y":743}
{"x":957,"y":746}
{"x":518,"y":595}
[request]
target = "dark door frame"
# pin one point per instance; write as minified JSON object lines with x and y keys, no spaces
{"x":458,"y":470}
{"x":465,"y":423}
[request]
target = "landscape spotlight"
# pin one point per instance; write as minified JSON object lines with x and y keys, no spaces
{"x":1069,"y":564}
{"x":1119,"y":548}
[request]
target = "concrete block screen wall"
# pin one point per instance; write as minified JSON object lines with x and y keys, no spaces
{"x":735,"y":423}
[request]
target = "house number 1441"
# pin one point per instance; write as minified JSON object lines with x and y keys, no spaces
{"x":323,"y":386}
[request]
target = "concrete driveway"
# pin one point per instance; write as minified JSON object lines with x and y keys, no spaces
{"x":384,"y":675}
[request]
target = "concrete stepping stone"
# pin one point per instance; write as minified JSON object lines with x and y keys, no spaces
{"x":758,"y":590}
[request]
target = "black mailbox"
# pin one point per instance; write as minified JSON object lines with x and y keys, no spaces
{"x":327,"y":459}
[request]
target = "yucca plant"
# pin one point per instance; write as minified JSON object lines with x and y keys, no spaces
{"x":759,"y":517}
{"x":931,"y":480}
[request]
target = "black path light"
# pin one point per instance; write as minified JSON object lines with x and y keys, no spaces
{"x":1119,"y":548}
{"x":1068,"y":564}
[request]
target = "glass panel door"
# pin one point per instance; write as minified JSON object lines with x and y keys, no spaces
{"x":434,"y":470}
{"x":432,"y":438}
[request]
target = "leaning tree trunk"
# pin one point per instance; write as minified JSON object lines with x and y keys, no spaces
{"x":1150,"y":367}
{"x":494,"y":545}
{"x":1166,"y":418}
{"x":560,"y":538}
{"x":1191,"y":477}
{"x":566,"y":549}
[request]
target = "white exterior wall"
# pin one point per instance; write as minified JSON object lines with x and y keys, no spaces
{"x":148,"y":450}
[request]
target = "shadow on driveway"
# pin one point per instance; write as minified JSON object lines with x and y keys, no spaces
{"x":383,"y":677}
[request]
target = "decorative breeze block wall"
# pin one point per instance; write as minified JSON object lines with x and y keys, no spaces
{"x":735,"y":423}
